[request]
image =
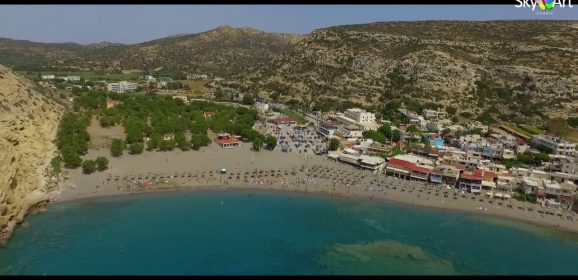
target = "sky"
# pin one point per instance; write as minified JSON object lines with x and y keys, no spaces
{"x":139,"y":23}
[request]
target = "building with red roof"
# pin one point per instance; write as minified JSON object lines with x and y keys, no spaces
{"x":470,"y":182}
{"x":288,"y":121}
{"x":399,"y":168}
{"x":227,"y":143}
{"x":420,"y":172}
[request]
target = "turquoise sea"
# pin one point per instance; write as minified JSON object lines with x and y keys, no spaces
{"x":252,"y":233}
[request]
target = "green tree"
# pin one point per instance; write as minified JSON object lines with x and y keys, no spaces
{"x":181,"y":141}
{"x":154,"y":141}
{"x":375,"y":136}
{"x":248,"y":99}
{"x":334,"y":144}
{"x":101,"y":163}
{"x":199,"y":140}
{"x":386,"y":131}
{"x":71,"y":158}
{"x":486,"y":118}
{"x":135,"y":148}
{"x":466,"y":115}
{"x":56,"y":165}
{"x":573,"y":122}
{"x":88,"y":166}
{"x":271,"y":142}
{"x":451,"y":110}
{"x":257,"y":144}
{"x":117,"y":147}
{"x":413,"y":130}
{"x":395,"y":135}
{"x":167,"y":145}
{"x":557,"y":126}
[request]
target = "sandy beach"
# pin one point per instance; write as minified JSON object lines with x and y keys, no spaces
{"x":287,"y":172}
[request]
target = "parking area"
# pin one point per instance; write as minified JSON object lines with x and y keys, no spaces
{"x":301,"y":140}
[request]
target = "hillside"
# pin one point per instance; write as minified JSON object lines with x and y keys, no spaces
{"x":505,"y":67}
{"x":223,"y":51}
{"x":28,"y":125}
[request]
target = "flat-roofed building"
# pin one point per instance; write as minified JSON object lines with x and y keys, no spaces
{"x":122,"y":87}
{"x":554,"y":145}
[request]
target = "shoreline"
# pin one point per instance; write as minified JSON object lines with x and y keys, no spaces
{"x":278,"y":172}
{"x":322,"y":194}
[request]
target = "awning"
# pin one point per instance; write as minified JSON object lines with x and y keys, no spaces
{"x":499,"y":195}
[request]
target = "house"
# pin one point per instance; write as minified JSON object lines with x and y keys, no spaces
{"x":449,"y":175}
{"x":478,"y":125}
{"x":470,"y":182}
{"x":508,"y":154}
{"x":208,"y":114}
{"x":349,"y":132}
{"x":285,"y":121}
{"x":399,"y":168}
{"x":169,"y":136}
{"x":228,"y":143}
{"x":434,"y":114}
{"x":488,"y":180}
{"x":327,"y":129}
{"x":377,"y":147}
{"x":420,"y":173}
{"x":149,"y":78}
{"x":415,"y":159}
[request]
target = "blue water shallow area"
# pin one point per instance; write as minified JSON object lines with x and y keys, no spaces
{"x":271,"y":233}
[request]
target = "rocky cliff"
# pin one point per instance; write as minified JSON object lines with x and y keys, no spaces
{"x":507,"y":67}
{"x":28,"y":125}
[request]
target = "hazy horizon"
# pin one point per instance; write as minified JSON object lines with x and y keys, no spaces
{"x":133,"y":24}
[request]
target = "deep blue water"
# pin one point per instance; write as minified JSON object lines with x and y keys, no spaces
{"x":271,"y":233}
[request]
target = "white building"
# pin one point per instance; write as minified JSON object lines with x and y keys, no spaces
{"x":570,"y":165}
{"x":478,"y":125}
{"x":149,"y":78}
{"x":554,"y":145}
{"x":48,"y":77}
{"x":350,"y":132}
{"x":71,"y":78}
{"x":121,"y":87}
{"x":375,"y":164}
{"x":434,"y":115}
{"x":360,"y":115}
